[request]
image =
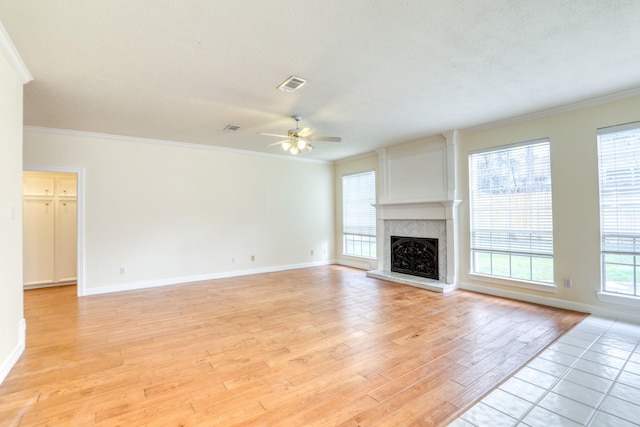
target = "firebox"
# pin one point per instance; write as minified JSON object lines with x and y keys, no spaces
{"x":417,"y":256}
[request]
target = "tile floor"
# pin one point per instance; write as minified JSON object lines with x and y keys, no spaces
{"x":589,"y":377}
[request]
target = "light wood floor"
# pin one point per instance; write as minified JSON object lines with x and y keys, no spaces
{"x":321,"y":346}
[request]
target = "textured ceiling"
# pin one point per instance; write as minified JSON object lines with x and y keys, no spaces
{"x":379,"y":72}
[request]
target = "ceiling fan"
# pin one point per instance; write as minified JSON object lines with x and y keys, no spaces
{"x":299,"y":139}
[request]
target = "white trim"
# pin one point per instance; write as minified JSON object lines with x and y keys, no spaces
{"x":451,"y":155}
{"x":199,"y":278}
{"x":361,"y":173}
{"x":48,"y":284}
{"x":10,"y":361}
{"x":552,"y":302}
{"x":181,"y":144}
{"x":514,"y":283}
{"x":8,"y":49}
{"x":80,"y":200}
{"x":618,"y":299}
{"x":617,"y":128}
{"x":418,"y":282}
{"x":592,"y":102}
{"x":39,"y":283}
{"x":425,"y":210}
{"x":355,"y":262}
{"x":543,"y":140}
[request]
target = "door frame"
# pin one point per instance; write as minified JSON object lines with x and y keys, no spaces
{"x":80,"y":262}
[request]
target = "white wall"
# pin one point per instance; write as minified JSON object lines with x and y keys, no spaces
{"x":172,"y":212}
{"x":576,"y":225}
{"x":11,"y":303}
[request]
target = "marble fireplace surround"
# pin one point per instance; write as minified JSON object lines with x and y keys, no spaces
{"x":437,"y":219}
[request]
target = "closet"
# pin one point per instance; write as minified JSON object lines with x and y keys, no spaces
{"x":49,"y":229}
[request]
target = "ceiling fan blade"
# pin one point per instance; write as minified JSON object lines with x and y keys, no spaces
{"x":303,"y":133}
{"x":277,"y":143}
{"x":273,"y":134}
{"x":325,"y":138}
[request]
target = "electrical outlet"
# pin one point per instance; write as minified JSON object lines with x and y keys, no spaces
{"x":123,"y":270}
{"x":253,"y":257}
{"x":312,"y":252}
{"x":233,"y":260}
{"x":568,"y":283}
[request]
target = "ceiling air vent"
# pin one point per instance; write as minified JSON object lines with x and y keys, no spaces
{"x":291,"y":84}
{"x":231,"y":128}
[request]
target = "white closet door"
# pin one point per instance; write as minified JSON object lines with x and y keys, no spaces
{"x":67,"y":186}
{"x":38,"y":241}
{"x":66,"y":241}
{"x":38,"y":184}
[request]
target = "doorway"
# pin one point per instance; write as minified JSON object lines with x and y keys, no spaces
{"x":53,"y":218}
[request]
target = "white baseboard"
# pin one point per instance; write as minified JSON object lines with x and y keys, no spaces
{"x":28,"y":286}
{"x":360,"y":264}
{"x":552,"y":302}
{"x":198,"y":278}
{"x":10,"y":361}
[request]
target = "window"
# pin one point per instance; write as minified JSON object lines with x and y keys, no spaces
{"x":358,"y":214}
{"x":619,"y":172}
{"x":510,"y":211}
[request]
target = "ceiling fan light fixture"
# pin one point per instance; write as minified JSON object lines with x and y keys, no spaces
{"x":291,"y":84}
{"x":298,"y":140}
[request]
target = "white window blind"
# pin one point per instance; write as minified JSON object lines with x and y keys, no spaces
{"x":619,"y":173}
{"x":510,"y":212}
{"x":358,"y":214}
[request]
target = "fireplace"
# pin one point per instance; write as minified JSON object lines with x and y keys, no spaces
{"x":416,"y":256}
{"x":422,"y":221}
{"x":418,"y":198}
{"x":422,"y":231}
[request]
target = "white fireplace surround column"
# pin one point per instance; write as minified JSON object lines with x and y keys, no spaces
{"x":446,"y":210}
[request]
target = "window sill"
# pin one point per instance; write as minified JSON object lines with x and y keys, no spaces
{"x":359,"y":257}
{"x":514,"y":283}
{"x":619,"y":299}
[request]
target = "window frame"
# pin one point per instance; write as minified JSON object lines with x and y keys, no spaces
{"x":476,"y":248}
{"x":608,"y":216}
{"x":364,"y":238}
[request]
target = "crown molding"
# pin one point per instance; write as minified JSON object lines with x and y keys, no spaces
{"x":10,"y":52}
{"x":190,"y":145}
{"x":591,"y":102}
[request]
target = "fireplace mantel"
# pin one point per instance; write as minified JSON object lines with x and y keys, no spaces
{"x":440,"y":210}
